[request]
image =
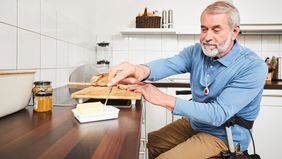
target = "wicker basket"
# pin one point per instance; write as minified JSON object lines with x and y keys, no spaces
{"x":148,"y":22}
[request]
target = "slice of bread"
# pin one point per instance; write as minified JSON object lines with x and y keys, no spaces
{"x":90,"y":108}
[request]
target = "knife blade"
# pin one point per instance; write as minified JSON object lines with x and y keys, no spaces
{"x":111,"y":88}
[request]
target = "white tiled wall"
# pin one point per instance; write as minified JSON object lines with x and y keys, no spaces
{"x":144,"y":48}
{"x":35,"y":35}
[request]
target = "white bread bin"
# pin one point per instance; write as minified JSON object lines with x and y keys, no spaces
{"x":15,"y":90}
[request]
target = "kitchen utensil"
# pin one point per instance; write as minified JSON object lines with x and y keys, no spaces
{"x":164,"y":19}
{"x":15,"y":91}
{"x":103,"y":55}
{"x":170,"y":19}
{"x":278,"y":68}
{"x":111,"y":88}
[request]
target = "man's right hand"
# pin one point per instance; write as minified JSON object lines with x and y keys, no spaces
{"x":127,"y":73}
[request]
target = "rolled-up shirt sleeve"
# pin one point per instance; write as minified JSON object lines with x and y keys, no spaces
{"x":240,"y":92}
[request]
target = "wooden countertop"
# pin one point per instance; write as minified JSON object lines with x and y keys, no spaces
{"x":57,"y":134}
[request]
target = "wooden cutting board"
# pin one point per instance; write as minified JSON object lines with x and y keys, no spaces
{"x":102,"y":93}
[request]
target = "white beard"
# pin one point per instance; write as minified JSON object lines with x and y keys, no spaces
{"x":217,"y":50}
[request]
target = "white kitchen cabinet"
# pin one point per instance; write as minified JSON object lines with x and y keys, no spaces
{"x":268,"y":128}
{"x":153,"y":118}
{"x":172,"y":91}
{"x":156,"y":116}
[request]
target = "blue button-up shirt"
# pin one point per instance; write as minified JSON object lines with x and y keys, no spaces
{"x":235,"y":84}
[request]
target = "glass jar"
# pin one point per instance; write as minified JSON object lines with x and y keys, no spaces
{"x":42,"y":96}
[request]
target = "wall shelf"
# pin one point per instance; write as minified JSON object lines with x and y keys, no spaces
{"x":271,"y":29}
{"x":260,"y":29}
{"x":154,"y":31}
{"x":157,"y":31}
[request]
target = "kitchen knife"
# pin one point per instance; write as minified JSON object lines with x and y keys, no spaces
{"x":111,"y":88}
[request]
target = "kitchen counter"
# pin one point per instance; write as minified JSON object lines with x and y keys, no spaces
{"x":27,"y":134}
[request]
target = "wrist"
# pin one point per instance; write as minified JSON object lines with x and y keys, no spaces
{"x":145,"y":70}
{"x":169,"y":103}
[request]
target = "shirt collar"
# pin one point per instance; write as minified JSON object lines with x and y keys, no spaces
{"x":228,"y":59}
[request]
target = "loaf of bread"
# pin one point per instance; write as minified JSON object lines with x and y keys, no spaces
{"x":90,"y":108}
{"x":100,"y":80}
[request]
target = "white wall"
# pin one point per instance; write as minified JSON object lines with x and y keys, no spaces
{"x":55,"y":36}
{"x":114,"y":16}
{"x":51,"y":37}
{"x":144,"y":48}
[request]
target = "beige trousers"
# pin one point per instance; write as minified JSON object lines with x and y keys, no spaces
{"x":179,"y":141}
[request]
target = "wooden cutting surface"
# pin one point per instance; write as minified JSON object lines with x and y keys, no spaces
{"x":11,"y":72}
{"x":102,"y":93}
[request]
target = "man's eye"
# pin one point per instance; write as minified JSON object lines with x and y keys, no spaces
{"x":204,"y":29}
{"x":216,"y":30}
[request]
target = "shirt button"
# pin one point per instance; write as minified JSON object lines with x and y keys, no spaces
{"x":208,"y":75}
{"x":211,"y":66}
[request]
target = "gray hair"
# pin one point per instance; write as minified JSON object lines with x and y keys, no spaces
{"x":223,"y":7}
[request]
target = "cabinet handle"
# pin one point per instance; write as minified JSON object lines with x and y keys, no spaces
{"x":183,"y":92}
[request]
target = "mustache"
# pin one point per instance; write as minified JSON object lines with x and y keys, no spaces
{"x":208,"y":44}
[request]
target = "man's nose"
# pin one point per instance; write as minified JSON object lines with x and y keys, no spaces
{"x":209,"y":36}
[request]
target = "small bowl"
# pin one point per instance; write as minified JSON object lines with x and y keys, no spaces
{"x":15,"y":90}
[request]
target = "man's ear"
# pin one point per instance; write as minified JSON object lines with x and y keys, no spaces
{"x":236,"y":31}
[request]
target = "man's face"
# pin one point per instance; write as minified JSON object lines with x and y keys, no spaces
{"x":216,"y":35}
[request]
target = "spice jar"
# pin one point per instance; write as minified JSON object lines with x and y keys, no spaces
{"x":42,"y":96}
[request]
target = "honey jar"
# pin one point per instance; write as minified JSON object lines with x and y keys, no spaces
{"x":42,"y":96}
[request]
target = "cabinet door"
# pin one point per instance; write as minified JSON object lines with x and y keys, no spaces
{"x":156,"y":116}
{"x":172,"y":91}
{"x":268,"y":128}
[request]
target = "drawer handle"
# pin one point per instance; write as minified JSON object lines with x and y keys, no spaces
{"x":183,"y":92}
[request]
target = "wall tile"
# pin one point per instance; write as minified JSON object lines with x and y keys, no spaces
{"x":29,"y":15}
{"x":152,"y":55}
{"x":119,"y":56}
{"x":62,"y":54}
{"x":120,"y":42}
{"x":73,"y":56}
{"x":185,"y":41}
{"x":62,"y":76}
{"x":48,"y":19}
{"x":270,"y":42}
{"x":8,"y":11}
{"x":37,"y":76}
{"x":62,"y":26}
{"x":265,"y":54}
{"x":49,"y":75}
{"x":169,"y":43}
{"x":253,"y":42}
{"x":241,"y":39}
{"x":8,"y":47}
{"x":28,"y":50}
{"x":136,"y":57}
{"x":153,"y":43}
{"x":136,"y":42}
{"x":167,"y":54}
{"x":48,"y":52}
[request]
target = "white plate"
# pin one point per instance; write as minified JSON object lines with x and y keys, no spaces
{"x":110,"y":112}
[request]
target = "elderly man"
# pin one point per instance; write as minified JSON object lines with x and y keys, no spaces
{"x":227,"y":79}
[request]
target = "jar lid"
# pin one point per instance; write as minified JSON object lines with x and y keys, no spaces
{"x":42,"y":82}
{"x":40,"y":93}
